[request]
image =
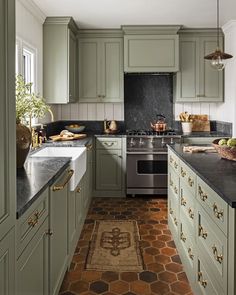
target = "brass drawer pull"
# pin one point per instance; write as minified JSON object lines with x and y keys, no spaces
{"x":171,"y":159}
{"x":109,"y":143}
{"x":201,"y":232}
{"x":218,"y":213}
{"x":182,"y":237}
{"x":190,"y":181}
{"x":183,"y":201}
{"x":201,"y":281}
{"x":62,"y":186}
{"x":190,"y":254}
{"x":175,"y":165}
{"x":175,"y":221}
{"x":175,"y":190}
{"x":218,"y":257}
{"x":202,"y":195}
{"x":32,"y":221}
{"x":190,"y":213}
{"x":171,"y":182}
{"x":183,"y":173}
{"x":49,"y":232}
{"x":78,"y":190}
{"x":171,"y":211}
{"x":89,"y":147}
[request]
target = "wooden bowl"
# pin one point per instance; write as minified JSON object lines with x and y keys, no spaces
{"x":225,"y":151}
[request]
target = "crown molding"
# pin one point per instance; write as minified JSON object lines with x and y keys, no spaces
{"x":229,"y":26}
{"x":34,"y":10}
{"x":151,"y":29}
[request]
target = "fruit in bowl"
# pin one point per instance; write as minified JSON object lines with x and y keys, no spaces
{"x":226,"y":148}
{"x":231,"y":142}
{"x":75,"y":128}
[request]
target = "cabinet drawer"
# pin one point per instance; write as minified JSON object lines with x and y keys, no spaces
{"x":206,"y":284}
{"x":215,"y":206}
{"x":30,"y":222}
{"x":108,"y":143}
{"x":212,"y":245}
{"x":173,"y":216}
{"x":188,"y":176}
{"x":173,"y":182}
{"x":173,"y":161}
{"x":187,"y":204}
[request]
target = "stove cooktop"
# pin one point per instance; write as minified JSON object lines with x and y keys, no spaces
{"x":169,"y":132}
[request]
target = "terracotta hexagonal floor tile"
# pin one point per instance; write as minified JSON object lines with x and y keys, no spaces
{"x":155,"y":232}
{"x":110,"y":276}
{"x":166,"y":232}
{"x":168,"y":251}
{"x":146,"y":226}
{"x":156,"y":267}
{"x":168,"y":277}
{"x":164,"y":238}
{"x":99,"y":287}
{"x":148,"y":276}
{"x":160,"y":288}
{"x":182,"y":277}
{"x":163,"y":259}
{"x":149,"y":238}
{"x":129,"y":276}
{"x":140,"y":288}
{"x":152,"y":251}
{"x":67,"y":293}
{"x":79,"y":287}
{"x":119,"y":287}
{"x":176,"y":258}
{"x":147,"y":258}
{"x":144,"y":244}
{"x":158,"y":244}
{"x":174,"y":267}
{"x":181,"y":288}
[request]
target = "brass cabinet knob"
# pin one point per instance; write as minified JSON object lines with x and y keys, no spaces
{"x":182,"y":172}
{"x":182,"y":237}
{"x":190,"y":254}
{"x":190,"y":181}
{"x":203,"y":196}
{"x":62,"y":186}
{"x":183,"y":201}
{"x":33,"y":221}
{"x":171,"y":211}
{"x":202,"y":232}
{"x":171,"y":182}
{"x":218,"y":257}
{"x":218,"y":213}
{"x":49,"y":232}
{"x":78,"y":190}
{"x":175,"y":165}
{"x":171,"y":159}
{"x":190,"y":213}
{"x":201,"y":280}
{"x":175,"y":221}
{"x":109,"y":143}
{"x":175,"y":190}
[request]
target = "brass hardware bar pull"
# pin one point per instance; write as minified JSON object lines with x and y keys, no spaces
{"x":182,"y":237}
{"x":175,"y":165}
{"x":171,"y":159}
{"x":190,"y":254}
{"x":171,"y":211}
{"x":190,"y":213}
{"x":218,"y":257}
{"x":109,"y":143}
{"x":171,"y":182}
{"x":190,"y":181}
{"x":183,"y":173}
{"x":201,"y":281}
{"x":218,"y":213}
{"x":49,"y":232}
{"x":183,"y":201}
{"x":201,"y":232}
{"x":32,"y":221}
{"x":62,"y":186}
{"x":175,"y":190}
{"x":78,"y":190}
{"x":202,"y":195}
{"x":175,"y":221}
{"x":89,"y":147}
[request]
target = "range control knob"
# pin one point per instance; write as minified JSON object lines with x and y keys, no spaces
{"x":132,"y":142}
{"x":172,"y":140}
{"x":141,"y":142}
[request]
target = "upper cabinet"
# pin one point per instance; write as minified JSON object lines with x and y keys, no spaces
{"x":197,"y":81}
{"x":151,"y":49}
{"x":101,"y":66}
{"x":60,"y":75}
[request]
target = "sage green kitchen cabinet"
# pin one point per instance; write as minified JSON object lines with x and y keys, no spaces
{"x":151,"y":49}
{"x":60,"y":75}
{"x":197,"y":81}
{"x":7,"y":264}
{"x":32,"y":266}
{"x":101,"y":69}
{"x":58,"y":224}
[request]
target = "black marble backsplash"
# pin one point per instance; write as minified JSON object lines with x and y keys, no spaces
{"x":145,"y":96}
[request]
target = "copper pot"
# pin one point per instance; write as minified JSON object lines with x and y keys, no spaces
{"x":160,"y":124}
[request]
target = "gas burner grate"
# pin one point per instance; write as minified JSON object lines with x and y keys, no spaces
{"x":150,"y":132}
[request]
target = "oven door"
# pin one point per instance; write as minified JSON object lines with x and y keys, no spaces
{"x":147,"y":170}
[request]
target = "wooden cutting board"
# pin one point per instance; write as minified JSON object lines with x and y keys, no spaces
{"x":61,"y":138}
{"x":201,"y":123}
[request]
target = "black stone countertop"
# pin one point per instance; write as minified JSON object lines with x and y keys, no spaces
{"x":205,"y":134}
{"x":219,"y":174}
{"x":35,"y":177}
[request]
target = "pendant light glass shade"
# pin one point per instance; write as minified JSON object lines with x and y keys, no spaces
{"x":218,"y":58}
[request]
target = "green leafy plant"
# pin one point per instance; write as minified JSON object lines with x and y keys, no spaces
{"x":28,"y":104}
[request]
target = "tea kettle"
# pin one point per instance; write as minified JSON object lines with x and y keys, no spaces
{"x":110,"y":126}
{"x":160,"y":124}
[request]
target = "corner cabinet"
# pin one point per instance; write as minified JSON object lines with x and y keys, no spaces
{"x":101,"y":67}
{"x":197,"y":81}
{"x":60,"y":74}
{"x":151,"y":49}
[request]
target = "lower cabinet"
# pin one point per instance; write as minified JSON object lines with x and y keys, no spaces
{"x":32,"y":265}
{"x":7,"y":264}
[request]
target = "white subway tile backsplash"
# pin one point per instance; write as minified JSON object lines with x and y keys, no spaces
{"x":83,"y":111}
{"x":74,"y":111}
{"x":100,"y":111}
{"x":65,"y":112}
{"x":109,"y":111}
{"x":92,"y":111}
{"x":118,"y":109}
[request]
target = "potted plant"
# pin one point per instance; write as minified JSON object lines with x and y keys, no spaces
{"x":28,"y":106}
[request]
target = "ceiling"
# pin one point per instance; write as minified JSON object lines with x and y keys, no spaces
{"x":114,"y":13}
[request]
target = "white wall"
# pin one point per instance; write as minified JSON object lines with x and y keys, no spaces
{"x":29,"y":28}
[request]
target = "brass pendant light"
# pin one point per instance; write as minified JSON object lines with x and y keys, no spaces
{"x":218,"y":58}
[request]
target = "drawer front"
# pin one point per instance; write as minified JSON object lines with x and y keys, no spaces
{"x":173,"y":215}
{"x":213,"y":204}
{"x":207,"y":285}
{"x":173,"y":161}
{"x":212,"y":245}
{"x":29,"y":223}
{"x":187,"y":204}
{"x":173,"y":180}
{"x":188,"y":176}
{"x":108,"y":143}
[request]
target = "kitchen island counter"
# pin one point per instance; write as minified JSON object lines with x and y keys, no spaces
{"x":219,"y":174}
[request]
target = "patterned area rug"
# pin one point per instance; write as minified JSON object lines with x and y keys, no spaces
{"x":115,"y":246}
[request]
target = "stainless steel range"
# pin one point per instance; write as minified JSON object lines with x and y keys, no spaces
{"x":147,"y":161}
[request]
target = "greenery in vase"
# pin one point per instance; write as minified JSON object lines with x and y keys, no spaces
{"x":28,"y":104}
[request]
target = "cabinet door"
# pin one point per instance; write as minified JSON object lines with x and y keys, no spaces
{"x":89,"y":70}
{"x":7,"y":264}
{"x":58,"y":225}
{"x":187,"y":79}
{"x":113,"y":72}
{"x":211,"y":80}
{"x":72,"y":220}
{"x":7,"y":117}
{"x":79,"y":204}
{"x":108,"y":169}
{"x":73,"y":64}
{"x":32,"y":266}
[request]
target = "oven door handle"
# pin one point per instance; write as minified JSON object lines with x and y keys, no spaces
{"x":146,"y":153}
